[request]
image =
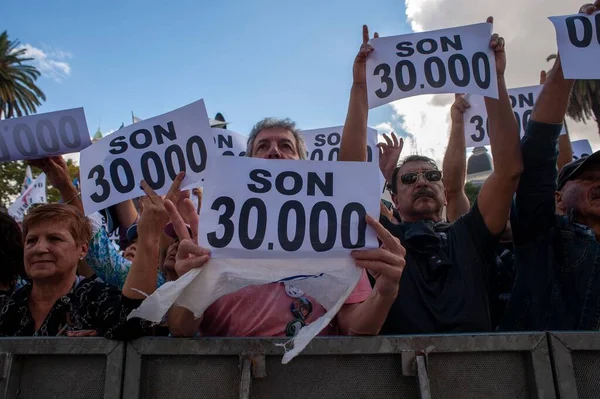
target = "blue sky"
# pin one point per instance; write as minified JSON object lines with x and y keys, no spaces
{"x":247,"y":59}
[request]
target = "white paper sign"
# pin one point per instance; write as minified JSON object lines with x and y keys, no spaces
{"x":476,"y":119}
{"x":578,"y":40}
{"x":265,"y":208}
{"x":456,"y":60}
{"x":581,"y":148}
{"x":229,"y":143}
{"x":35,"y":193}
{"x":43,"y":135}
{"x":324,"y":144}
{"x":154,"y":150}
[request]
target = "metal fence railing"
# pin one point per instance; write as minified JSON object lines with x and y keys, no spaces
{"x":576,"y":364}
{"x":61,"y":368}
{"x":463,"y":366}
{"x":486,"y":366}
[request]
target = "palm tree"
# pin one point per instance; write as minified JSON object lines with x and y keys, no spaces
{"x":19,"y":94}
{"x":584,"y":102}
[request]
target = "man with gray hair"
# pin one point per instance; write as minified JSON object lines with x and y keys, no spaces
{"x":274,"y":138}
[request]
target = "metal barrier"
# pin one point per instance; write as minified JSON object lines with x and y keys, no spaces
{"x":464,"y":366}
{"x":61,"y":368}
{"x":576,"y":363}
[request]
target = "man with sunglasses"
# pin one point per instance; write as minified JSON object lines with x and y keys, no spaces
{"x":556,"y":224}
{"x":444,"y":283}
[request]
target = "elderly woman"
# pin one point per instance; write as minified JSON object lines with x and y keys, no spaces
{"x":57,"y":302}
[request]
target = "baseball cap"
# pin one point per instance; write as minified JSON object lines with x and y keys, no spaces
{"x":571,"y":170}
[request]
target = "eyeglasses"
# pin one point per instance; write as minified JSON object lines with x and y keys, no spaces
{"x":412,"y":177}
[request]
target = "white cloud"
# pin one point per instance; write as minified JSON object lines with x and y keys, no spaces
{"x":530,"y":38}
{"x":51,"y":63}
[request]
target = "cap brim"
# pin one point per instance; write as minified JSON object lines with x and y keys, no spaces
{"x":592,"y":159}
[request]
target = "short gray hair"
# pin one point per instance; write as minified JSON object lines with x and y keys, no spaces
{"x":271,"y":123}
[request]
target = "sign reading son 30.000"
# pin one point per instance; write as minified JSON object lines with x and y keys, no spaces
{"x":270,"y":209}
{"x":43,"y":135}
{"x":457,"y":60}
{"x":154,"y":150}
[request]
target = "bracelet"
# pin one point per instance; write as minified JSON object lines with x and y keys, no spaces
{"x":71,"y":200}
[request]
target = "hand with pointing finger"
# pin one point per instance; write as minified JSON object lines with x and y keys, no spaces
{"x":385,"y":263}
{"x":154,"y":216}
{"x":360,"y":62}
{"x":497,"y":44}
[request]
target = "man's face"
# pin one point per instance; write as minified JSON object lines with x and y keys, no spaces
{"x":423,"y":199}
{"x":129,"y":252}
{"x":275,"y":143}
{"x":168,"y":265}
{"x":582,"y":195}
{"x":50,"y":251}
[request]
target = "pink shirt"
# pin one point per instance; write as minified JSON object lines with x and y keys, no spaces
{"x":265,"y":311}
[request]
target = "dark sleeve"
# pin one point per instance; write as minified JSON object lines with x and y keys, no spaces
{"x":473,"y":225}
{"x":533,"y":211}
{"x":110,"y":310}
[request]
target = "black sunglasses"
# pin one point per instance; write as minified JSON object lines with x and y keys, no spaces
{"x":412,"y":177}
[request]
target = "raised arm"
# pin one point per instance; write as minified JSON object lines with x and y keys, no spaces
{"x":144,"y":268}
{"x":354,"y":135}
{"x":495,"y":197}
{"x":565,"y":149}
{"x":455,"y":162}
{"x":57,"y":172}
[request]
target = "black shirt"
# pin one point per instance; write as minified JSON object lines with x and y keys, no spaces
{"x":444,"y":286}
{"x":91,"y":305}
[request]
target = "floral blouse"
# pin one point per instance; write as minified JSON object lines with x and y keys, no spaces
{"x":91,"y":305}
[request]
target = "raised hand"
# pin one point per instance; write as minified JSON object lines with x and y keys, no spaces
{"x":385,"y":263}
{"x":55,"y":169}
{"x":497,"y":44}
{"x":389,"y":154}
{"x":189,"y":254}
{"x":359,"y":69}
{"x":459,"y":107}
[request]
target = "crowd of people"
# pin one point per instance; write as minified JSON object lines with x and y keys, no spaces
{"x":524,"y":256}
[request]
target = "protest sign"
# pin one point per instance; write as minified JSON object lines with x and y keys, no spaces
{"x":324,"y":144}
{"x":581,"y":148}
{"x":578,"y":40}
{"x":154,"y":150}
{"x":456,"y":60}
{"x":35,"y":193}
{"x":268,"y":208}
{"x":476,"y":119}
{"x":228,"y":142}
{"x":278,"y":221}
{"x":43,"y":135}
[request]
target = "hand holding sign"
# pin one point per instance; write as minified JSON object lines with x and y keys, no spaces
{"x":578,"y":39}
{"x":56,"y":171}
{"x":359,"y":72}
{"x":497,"y":44}
{"x":389,"y":154}
{"x":385,"y":263}
{"x":459,"y":107}
{"x":444,"y":61}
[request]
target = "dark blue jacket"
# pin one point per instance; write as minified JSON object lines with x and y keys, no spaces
{"x":557,"y":285}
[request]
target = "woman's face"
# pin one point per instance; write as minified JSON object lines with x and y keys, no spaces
{"x":51,"y":251}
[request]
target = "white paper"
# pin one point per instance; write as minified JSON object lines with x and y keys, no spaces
{"x":43,"y":135}
{"x":234,"y":184}
{"x":476,"y":119}
{"x":456,"y":60}
{"x":324,"y":144}
{"x":35,"y":193}
{"x":228,"y":142}
{"x":581,"y":148}
{"x":154,"y":150}
{"x":578,"y":40}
